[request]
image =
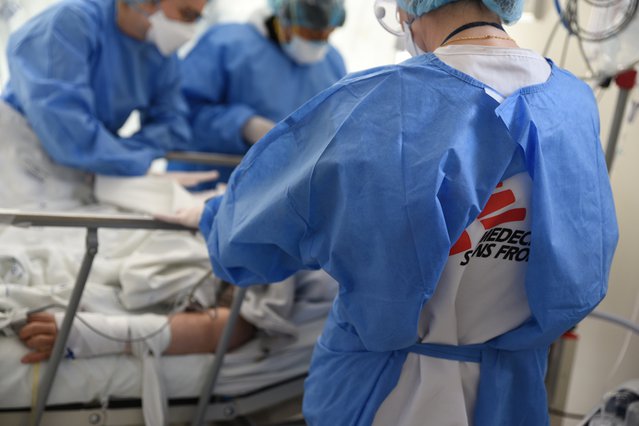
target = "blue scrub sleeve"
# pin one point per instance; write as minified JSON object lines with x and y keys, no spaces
{"x":217,"y":125}
{"x":164,"y":123}
{"x":51,"y":76}
{"x":256,"y":236}
{"x":208,"y":215}
{"x":325,"y":188}
{"x":218,"y":128}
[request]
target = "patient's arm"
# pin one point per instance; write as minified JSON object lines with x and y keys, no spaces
{"x":191,"y":332}
{"x":200,"y":332}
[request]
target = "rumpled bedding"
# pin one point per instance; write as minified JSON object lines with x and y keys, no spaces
{"x":139,"y":271}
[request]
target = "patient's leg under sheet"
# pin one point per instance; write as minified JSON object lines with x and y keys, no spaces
{"x":147,"y":268}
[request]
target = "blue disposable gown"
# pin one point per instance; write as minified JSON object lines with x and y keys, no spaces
{"x":376,"y":178}
{"x":234,"y":73}
{"x":77,"y":78}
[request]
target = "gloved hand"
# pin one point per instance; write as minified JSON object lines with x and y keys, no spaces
{"x":188,"y":216}
{"x":255,"y":128}
{"x":191,"y":216}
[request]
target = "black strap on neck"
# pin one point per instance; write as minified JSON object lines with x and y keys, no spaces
{"x":473,"y":25}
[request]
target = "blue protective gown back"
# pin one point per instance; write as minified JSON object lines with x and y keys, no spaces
{"x":376,"y":178}
{"x":77,"y":77}
{"x":235,"y":72}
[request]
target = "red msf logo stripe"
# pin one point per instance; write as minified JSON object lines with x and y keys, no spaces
{"x":462,"y":244}
{"x":514,"y":215}
{"x":496,"y":202}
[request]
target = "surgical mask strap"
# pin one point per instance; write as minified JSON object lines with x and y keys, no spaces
{"x":469,"y":26}
{"x":409,"y":41}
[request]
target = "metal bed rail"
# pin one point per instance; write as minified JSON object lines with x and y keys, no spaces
{"x":75,"y":220}
{"x":205,"y":158}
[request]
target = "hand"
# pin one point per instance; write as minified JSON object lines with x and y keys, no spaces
{"x":187,"y":179}
{"x":188,"y":216}
{"x":256,"y":127}
{"x":38,"y":334}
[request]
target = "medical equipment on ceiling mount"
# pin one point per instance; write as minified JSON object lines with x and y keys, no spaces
{"x":606,"y":33}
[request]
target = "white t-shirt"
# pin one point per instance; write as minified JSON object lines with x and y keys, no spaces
{"x":505,"y":70}
{"x":481,"y":292}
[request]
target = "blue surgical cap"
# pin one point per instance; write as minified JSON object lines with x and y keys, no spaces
{"x":508,"y":10}
{"x":313,"y":14}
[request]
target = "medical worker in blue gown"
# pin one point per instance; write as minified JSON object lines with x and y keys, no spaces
{"x":77,"y":71}
{"x":242,"y":78}
{"x":461,"y":201}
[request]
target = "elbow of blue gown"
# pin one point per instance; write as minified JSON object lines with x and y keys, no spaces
{"x":238,"y":246}
{"x":208,"y":215}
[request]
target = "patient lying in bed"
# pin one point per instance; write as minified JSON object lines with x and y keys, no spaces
{"x":166,"y":273}
{"x":196,"y":330}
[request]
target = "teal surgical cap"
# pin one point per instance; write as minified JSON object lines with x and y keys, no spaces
{"x":313,"y":14}
{"x":508,"y":10}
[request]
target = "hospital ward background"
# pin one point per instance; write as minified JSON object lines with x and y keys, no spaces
{"x":593,"y":372}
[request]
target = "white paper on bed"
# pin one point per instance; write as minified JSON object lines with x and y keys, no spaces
{"x":151,"y":194}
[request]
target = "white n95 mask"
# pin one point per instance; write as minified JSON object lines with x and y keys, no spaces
{"x":169,"y":35}
{"x":409,"y":43}
{"x":305,"y":52}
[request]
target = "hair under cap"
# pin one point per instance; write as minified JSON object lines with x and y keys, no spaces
{"x":508,"y":10}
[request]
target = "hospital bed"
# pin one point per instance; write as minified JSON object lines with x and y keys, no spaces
{"x":197,"y":398}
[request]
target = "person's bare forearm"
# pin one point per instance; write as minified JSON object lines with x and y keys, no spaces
{"x":200,"y":332}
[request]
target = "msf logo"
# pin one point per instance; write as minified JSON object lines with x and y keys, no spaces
{"x":497,"y":242}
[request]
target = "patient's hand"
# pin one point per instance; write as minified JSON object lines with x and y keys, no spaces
{"x":38,"y":334}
